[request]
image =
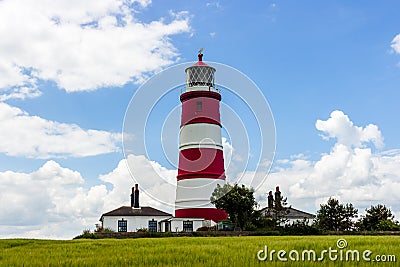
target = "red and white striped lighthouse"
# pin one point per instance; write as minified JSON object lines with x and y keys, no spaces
{"x":201,"y":161}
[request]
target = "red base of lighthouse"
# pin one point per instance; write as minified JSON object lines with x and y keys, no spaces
{"x":207,"y":213}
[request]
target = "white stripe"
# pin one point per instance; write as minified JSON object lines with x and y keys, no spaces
{"x":199,"y":88}
{"x":199,"y":135}
{"x":195,"y":192}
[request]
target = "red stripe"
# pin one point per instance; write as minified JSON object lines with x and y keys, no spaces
{"x":207,"y":213}
{"x":201,"y":175}
{"x":202,"y":120}
{"x":200,"y":109}
{"x":201,"y":163}
{"x":193,"y":94}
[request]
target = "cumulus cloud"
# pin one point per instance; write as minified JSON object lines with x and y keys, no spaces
{"x":340,"y":127}
{"x":29,"y":136}
{"x":81,"y":45}
{"x":52,"y":202}
{"x":157,"y":183}
{"x":351,"y":171}
{"x":20,"y":92}
{"x":396,"y":44}
{"x":34,"y":203}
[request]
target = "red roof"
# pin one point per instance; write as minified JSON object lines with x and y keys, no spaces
{"x":200,"y":63}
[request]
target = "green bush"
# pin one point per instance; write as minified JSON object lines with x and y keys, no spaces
{"x":300,"y":228}
{"x":104,"y":230}
{"x":265,"y":233}
{"x":249,"y":226}
{"x":387,"y":225}
{"x":86,"y":234}
{"x":204,"y":229}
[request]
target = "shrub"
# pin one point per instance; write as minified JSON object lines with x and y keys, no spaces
{"x":249,"y":226}
{"x":104,"y":230}
{"x":387,"y":225}
{"x":264,"y":233}
{"x":86,"y":234}
{"x":300,"y":228}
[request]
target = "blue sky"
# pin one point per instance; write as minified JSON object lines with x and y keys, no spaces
{"x":67,"y":76}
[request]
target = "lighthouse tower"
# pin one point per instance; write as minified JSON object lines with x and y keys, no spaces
{"x":201,"y":161}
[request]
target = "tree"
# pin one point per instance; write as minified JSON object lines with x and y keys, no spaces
{"x":238,"y":202}
{"x":388,"y":225}
{"x":377,"y":218}
{"x":334,"y":216}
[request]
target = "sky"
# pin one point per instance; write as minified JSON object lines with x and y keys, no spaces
{"x":330,"y":72}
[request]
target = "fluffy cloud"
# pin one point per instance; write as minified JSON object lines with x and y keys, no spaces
{"x":34,"y":137}
{"x":52,"y":202}
{"x":351,"y":171}
{"x":157,"y":183}
{"x":81,"y":45}
{"x":340,"y":127}
{"x":35,"y":203}
{"x":396,"y":44}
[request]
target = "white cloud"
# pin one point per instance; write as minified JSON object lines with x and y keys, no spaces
{"x":53,"y":203}
{"x":21,"y":92}
{"x":157,"y":184}
{"x":396,"y":44}
{"x":228,"y":150}
{"x":29,"y":136}
{"x":340,"y":127}
{"x":82,"y":45}
{"x":215,"y":5}
{"x":33,"y":203}
{"x":350,"y":171}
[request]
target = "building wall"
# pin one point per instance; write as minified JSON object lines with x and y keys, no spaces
{"x":299,"y":217}
{"x":133,"y":222}
{"x":176,"y":225}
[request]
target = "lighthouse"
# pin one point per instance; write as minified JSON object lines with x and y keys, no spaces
{"x":201,"y":161}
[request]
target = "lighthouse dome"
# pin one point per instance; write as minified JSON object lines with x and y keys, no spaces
{"x":200,"y":76}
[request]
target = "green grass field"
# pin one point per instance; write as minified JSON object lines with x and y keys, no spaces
{"x":190,"y":251}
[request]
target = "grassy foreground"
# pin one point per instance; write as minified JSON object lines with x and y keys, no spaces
{"x":190,"y":251}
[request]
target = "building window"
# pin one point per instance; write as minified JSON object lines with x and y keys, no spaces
{"x":199,"y":106}
{"x":122,"y":225}
{"x":188,"y":226}
{"x":153,"y":226}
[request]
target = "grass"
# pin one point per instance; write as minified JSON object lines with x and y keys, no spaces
{"x":187,"y":251}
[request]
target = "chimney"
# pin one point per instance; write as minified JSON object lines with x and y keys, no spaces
{"x":136,"y":200}
{"x":133,"y":197}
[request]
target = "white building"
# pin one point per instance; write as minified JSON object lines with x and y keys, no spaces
{"x":183,"y":224}
{"x":132,"y":218}
{"x":293,"y":215}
